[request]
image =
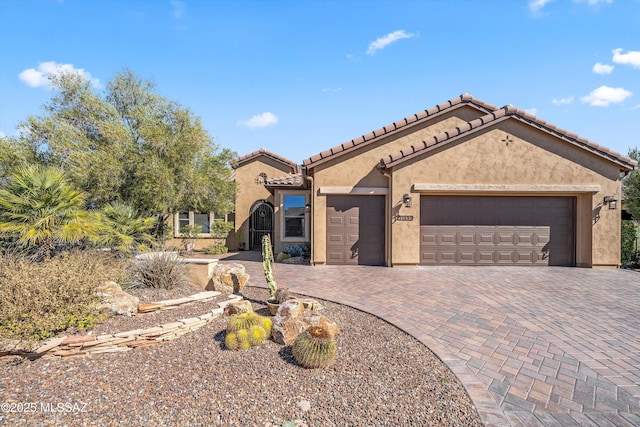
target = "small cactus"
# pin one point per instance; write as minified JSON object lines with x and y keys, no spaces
{"x":266,"y":324}
{"x":282,"y":294}
{"x":244,"y":345}
{"x":314,"y":348}
{"x":231,"y":341}
{"x":257,"y":335}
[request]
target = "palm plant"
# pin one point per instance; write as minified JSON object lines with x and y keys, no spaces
{"x":122,"y":229}
{"x":40,"y":210}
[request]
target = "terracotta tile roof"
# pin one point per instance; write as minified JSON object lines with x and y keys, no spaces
{"x":288,"y":181}
{"x":407,"y":122}
{"x":508,"y":111}
{"x":264,"y":152}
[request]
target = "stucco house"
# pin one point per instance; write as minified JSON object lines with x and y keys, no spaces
{"x":461,"y":183}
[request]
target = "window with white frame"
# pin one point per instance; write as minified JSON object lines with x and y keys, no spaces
{"x":204,"y":220}
{"x":294,"y":216}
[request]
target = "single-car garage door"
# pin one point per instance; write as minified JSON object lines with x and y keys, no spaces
{"x":497,"y":230}
{"x":355,"y":230}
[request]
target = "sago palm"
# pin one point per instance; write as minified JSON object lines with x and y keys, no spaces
{"x":122,"y":229}
{"x":40,"y":209}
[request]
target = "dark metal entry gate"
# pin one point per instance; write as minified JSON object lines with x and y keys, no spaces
{"x":260,"y":223}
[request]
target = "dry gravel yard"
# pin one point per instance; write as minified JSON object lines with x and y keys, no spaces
{"x":381,"y":377}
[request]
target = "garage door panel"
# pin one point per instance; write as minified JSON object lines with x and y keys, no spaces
{"x":466,"y":238}
{"x":335,"y":239}
{"x":359,"y":223}
{"x":514,"y":230}
{"x":447,"y":238}
{"x":485,"y":257}
{"x":467,"y":257}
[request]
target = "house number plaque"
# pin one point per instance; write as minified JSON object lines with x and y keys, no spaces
{"x":404,"y":218}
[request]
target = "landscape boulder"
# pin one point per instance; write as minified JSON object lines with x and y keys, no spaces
{"x":113,"y":298}
{"x":229,"y":278}
{"x":296,"y":315}
{"x":237,"y":307}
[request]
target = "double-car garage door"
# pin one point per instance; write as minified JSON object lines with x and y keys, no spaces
{"x":497,"y":230}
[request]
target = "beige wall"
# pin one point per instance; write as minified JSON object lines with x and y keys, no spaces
{"x":359,"y":169}
{"x":512,"y":153}
{"x":248,"y":192}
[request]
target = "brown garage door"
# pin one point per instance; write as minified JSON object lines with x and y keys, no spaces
{"x":355,"y":230}
{"x":490,"y":230}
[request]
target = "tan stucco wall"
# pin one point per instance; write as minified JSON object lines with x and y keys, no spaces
{"x":512,"y":153}
{"x":248,"y":192}
{"x":359,"y":168}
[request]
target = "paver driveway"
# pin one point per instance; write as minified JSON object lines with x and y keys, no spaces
{"x":533,"y":346}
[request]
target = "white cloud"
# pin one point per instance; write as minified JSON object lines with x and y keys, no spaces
{"x":605,"y":95}
{"x":593,"y":2}
{"x":259,"y":120}
{"x":533,"y":111}
{"x":562,"y":101}
{"x":537,"y":5}
{"x":179,"y":8}
{"x":630,"y":58}
{"x":2,"y":135}
{"x":40,"y":77}
{"x":384,"y":41}
{"x":637,"y":107}
{"x":599,"y":68}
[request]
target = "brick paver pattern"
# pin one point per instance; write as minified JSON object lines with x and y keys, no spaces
{"x":533,"y":346}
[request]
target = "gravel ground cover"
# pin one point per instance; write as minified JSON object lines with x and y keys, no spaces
{"x":381,"y":377}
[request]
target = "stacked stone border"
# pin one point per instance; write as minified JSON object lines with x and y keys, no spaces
{"x":82,"y":345}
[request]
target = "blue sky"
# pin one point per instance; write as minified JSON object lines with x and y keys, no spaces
{"x":299,"y":77}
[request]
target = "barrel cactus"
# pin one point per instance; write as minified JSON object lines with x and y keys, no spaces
{"x":231,"y":341}
{"x":247,"y":329}
{"x":314,"y":348}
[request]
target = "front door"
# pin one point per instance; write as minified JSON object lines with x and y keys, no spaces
{"x":260,"y":223}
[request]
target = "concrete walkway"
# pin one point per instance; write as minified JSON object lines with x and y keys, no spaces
{"x":532,"y":346}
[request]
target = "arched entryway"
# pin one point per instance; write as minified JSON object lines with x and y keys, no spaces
{"x":260,"y":223}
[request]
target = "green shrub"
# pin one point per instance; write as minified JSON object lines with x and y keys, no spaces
{"x":221,"y":229}
{"x":160,"y":270}
{"x":628,"y":244}
{"x":282,"y":256}
{"x":215,"y":249}
{"x":39,"y":299}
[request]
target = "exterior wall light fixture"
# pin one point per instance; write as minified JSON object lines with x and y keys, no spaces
{"x":406,"y":199}
{"x":613,"y":203}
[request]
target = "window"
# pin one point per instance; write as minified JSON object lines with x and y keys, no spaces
{"x":182,"y":221}
{"x":204,"y":220}
{"x":294,"y":213}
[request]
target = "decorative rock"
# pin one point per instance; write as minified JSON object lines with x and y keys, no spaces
{"x":70,"y":346}
{"x":296,"y":315}
{"x":243,"y":306}
{"x":229,"y":278}
{"x":115,"y":299}
{"x":149,"y":307}
{"x":304,"y":405}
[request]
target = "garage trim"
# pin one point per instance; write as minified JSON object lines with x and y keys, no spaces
{"x":498,"y":188}
{"x":382,"y":191}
